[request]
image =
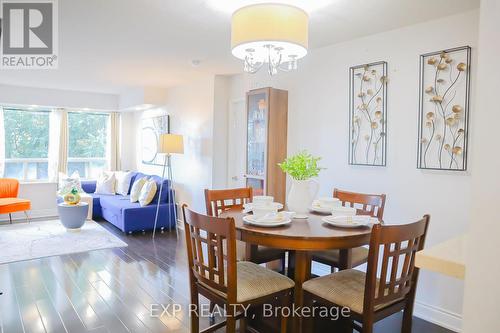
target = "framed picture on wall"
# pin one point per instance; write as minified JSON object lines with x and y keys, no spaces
{"x":368,"y":114}
{"x":152,"y":128}
{"x":444,"y":109}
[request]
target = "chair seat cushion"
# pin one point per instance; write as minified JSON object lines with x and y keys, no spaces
{"x":254,"y":281}
{"x":345,"y":288}
{"x":359,"y":256}
{"x":11,"y":205}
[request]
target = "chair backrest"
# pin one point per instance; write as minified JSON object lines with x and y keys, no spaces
{"x":211,"y":248}
{"x":217,"y":201}
{"x":9,"y":188}
{"x":398,"y":275}
{"x":366,"y":204}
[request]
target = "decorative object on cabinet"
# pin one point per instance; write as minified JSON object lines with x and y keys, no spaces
{"x":267,"y":119}
{"x":444,"y":109}
{"x":152,"y":128}
{"x":368,"y":114}
{"x":302,"y":167}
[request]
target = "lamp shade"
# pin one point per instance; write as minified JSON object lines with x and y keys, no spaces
{"x":171,"y":144}
{"x":283,"y":26}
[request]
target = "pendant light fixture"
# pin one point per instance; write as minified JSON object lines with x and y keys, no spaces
{"x":269,"y":34}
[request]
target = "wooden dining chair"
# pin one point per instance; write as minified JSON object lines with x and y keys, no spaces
{"x":365,"y":204}
{"x":369,"y":298}
{"x":215,"y":273}
{"x":218,"y":201}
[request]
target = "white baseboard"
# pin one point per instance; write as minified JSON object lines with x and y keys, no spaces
{"x":33,"y":214}
{"x":438,"y":316}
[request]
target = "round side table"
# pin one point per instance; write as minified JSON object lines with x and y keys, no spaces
{"x":73,"y":217}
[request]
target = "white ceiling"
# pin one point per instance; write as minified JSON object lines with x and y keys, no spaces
{"x":109,"y":45}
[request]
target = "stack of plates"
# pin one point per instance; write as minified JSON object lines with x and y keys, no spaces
{"x":350,"y":221}
{"x":269,"y":220}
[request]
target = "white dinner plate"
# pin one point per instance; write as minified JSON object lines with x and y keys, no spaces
{"x":250,"y":219}
{"x":349,"y":221}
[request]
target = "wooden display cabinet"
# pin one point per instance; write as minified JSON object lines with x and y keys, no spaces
{"x":267,"y":122}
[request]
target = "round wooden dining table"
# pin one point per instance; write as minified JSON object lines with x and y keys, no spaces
{"x":301,"y":237}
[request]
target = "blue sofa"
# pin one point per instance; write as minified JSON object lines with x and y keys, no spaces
{"x":130,"y":216}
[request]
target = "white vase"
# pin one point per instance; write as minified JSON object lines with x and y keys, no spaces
{"x":301,"y":196}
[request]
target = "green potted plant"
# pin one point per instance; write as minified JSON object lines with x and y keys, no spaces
{"x":301,"y":167}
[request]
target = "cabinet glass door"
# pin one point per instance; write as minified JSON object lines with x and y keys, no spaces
{"x":257,"y":141}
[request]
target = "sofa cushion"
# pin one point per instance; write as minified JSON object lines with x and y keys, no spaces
{"x":89,"y":186}
{"x":106,"y":184}
{"x":96,"y":203}
{"x":118,"y":202}
{"x":165,"y":192}
{"x":135,"y":192}
{"x":67,"y":183}
{"x":123,"y":180}
{"x":148,"y":192}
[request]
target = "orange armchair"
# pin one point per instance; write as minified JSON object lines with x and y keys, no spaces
{"x":9,"y":202}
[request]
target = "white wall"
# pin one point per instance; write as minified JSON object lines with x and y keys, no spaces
{"x":57,"y":98}
{"x":221,"y":111}
{"x":318,"y":121}
{"x":191,"y":108}
{"x":482,"y":290}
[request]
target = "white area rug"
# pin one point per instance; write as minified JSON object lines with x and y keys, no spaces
{"x":49,"y":238}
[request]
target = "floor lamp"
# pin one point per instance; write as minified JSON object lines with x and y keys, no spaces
{"x":168,"y":144}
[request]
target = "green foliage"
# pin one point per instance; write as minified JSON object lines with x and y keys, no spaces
{"x":26,"y":133}
{"x":87,"y":134}
{"x":301,"y":166}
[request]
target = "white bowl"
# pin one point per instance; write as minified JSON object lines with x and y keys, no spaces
{"x":249,"y":205}
{"x":328,"y":202}
{"x":343,"y":211}
{"x":261,"y":210}
{"x":262,"y":200}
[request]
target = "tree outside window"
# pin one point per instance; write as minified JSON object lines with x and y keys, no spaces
{"x":88,"y":134}
{"x":26,"y":143}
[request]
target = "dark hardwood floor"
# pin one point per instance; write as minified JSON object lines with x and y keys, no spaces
{"x":112,"y":290}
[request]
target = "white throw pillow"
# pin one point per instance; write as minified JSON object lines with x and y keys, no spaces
{"x":136,"y":189}
{"x":148,"y":192}
{"x":123,"y":179}
{"x":67,"y":183}
{"x":106,"y":183}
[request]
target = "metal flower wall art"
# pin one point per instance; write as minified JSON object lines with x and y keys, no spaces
{"x":444,"y":109}
{"x":368,"y":114}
